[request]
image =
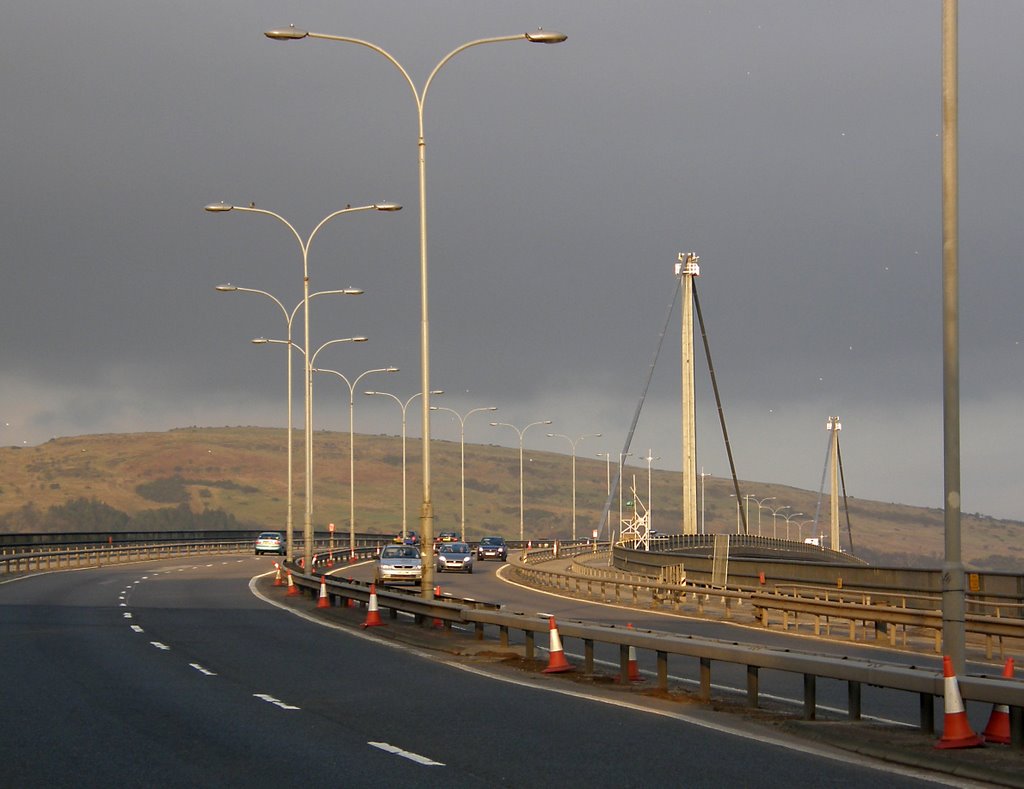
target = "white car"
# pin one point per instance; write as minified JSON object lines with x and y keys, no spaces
{"x":399,"y":563}
{"x":270,"y":542}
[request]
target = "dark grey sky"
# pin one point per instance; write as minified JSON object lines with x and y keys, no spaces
{"x":794,"y":145}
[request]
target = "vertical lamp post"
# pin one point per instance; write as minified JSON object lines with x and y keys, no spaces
{"x":760,"y":504}
{"x":403,"y":405}
{"x":351,"y":453}
{"x":702,"y":476}
{"x":308,"y":362}
{"x":419,"y":96}
{"x":289,"y":318}
{"x":308,"y":376}
{"x":788,"y":519}
{"x":775,"y":512}
{"x":521,"y":433}
{"x":462,"y":453}
{"x":650,"y":459}
{"x":573,"y":445}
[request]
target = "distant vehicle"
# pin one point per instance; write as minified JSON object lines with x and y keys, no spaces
{"x":492,"y":548}
{"x":812,"y":541}
{"x":410,"y":538}
{"x":448,"y":536}
{"x":399,"y":563}
{"x":454,"y":557}
{"x":270,"y":542}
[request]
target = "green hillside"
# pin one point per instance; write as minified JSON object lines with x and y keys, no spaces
{"x":242,"y":471}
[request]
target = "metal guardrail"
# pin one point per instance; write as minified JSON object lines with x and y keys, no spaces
{"x":98,"y":555}
{"x":484,"y":617}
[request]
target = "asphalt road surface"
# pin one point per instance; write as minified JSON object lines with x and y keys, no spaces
{"x":174,"y":673}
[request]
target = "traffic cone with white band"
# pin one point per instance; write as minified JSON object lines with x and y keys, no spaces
{"x":633,"y":669}
{"x":324,"y":601}
{"x":556,"y":655}
{"x":998,"y":728}
{"x":372,"y":614}
{"x":278,"y":581}
{"x":956,"y":731}
{"x":293,"y":590}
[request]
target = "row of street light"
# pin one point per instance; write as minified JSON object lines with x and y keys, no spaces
{"x":419,"y":96}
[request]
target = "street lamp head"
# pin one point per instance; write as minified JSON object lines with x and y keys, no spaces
{"x":387,"y":206}
{"x":352,"y":291}
{"x":355,"y":339}
{"x":286,"y":33}
{"x":546,"y":422}
{"x":260,"y":340}
{"x":216,"y":208}
{"x":390,"y":369}
{"x":542,"y":36}
{"x":226,"y":287}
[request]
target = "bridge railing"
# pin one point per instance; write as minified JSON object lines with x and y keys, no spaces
{"x":492,"y":620}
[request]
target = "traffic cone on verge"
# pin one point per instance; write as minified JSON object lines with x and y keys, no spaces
{"x":437,"y":623}
{"x":372,"y":614}
{"x":956,"y":731}
{"x":293,"y":590}
{"x":998,"y":728}
{"x":633,"y":669}
{"x":324,"y":601}
{"x":278,"y":581}
{"x":556,"y":656}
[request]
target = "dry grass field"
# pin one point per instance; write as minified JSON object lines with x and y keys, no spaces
{"x":243,"y":471}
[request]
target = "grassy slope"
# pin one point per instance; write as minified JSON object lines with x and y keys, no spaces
{"x":109,"y":467}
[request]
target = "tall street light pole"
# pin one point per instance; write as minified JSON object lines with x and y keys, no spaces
{"x":308,"y":374}
{"x":351,"y":449}
{"x":702,"y":476}
{"x":775,"y":512}
{"x":573,"y":444}
{"x":788,"y":519}
{"x":403,"y":405}
{"x":309,"y":360}
{"x":622,"y":456}
{"x":650,"y":459}
{"x":289,"y":318}
{"x":462,"y":453}
{"x":419,"y":96}
{"x":521,"y":433}
{"x":760,"y":504}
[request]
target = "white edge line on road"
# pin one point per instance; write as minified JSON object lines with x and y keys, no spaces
{"x":276,"y":702}
{"x":415,"y":757}
{"x":201,"y":670}
{"x":813,"y":749}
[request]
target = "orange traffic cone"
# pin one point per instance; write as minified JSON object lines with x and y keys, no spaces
{"x":437,"y":623}
{"x":956,"y":731}
{"x":998,"y":729}
{"x":372,"y":614}
{"x":633,"y":669}
{"x":352,"y":557}
{"x":293,"y":590}
{"x":324,"y":601}
{"x":556,"y":656}
{"x":278,"y":581}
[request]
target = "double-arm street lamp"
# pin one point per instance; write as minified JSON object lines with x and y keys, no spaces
{"x":760,"y":504}
{"x":572,"y":444}
{"x":775,"y":511}
{"x":788,"y":519}
{"x":521,"y":433}
{"x":462,"y":451}
{"x":351,"y":442}
{"x":304,"y":244}
{"x":289,"y":318}
{"x":403,"y":405}
{"x":420,"y":96}
{"x":308,"y":362}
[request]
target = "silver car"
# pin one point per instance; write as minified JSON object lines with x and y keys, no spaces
{"x":270,"y":542}
{"x":454,"y":557}
{"x":399,"y":563}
